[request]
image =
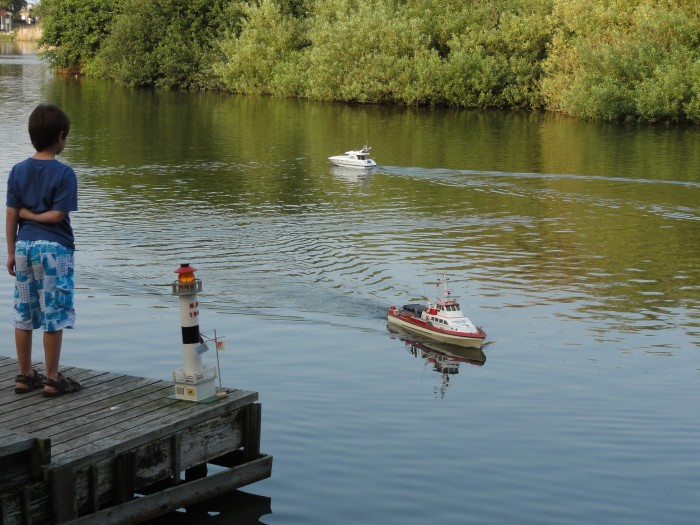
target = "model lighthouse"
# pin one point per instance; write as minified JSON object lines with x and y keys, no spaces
{"x":194,"y":382}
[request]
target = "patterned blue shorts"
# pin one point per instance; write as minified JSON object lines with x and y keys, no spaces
{"x":43,"y":286}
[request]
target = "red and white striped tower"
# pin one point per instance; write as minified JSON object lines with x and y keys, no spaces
{"x":194,"y":382}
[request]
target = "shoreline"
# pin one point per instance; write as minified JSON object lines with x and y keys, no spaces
{"x":23,"y":33}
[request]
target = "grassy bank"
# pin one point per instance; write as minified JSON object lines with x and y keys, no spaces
{"x":22,"y":34}
{"x":30,"y":33}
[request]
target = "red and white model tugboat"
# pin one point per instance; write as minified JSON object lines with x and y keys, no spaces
{"x":441,"y":321}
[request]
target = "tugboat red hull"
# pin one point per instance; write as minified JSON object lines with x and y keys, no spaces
{"x":425,"y":328}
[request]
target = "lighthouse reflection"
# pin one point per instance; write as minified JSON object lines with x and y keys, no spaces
{"x":445,"y":359}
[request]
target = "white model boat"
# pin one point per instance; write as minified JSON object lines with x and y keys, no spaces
{"x":441,"y":321}
{"x":354,"y":159}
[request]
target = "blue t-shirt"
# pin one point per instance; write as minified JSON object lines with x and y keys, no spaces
{"x":39,"y":186}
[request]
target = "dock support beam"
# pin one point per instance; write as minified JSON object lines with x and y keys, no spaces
{"x":182,"y":495}
{"x":251,"y":440}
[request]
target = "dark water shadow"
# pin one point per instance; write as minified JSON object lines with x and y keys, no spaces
{"x":234,"y":508}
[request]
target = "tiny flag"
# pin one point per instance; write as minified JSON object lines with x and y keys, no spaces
{"x":220,"y":346}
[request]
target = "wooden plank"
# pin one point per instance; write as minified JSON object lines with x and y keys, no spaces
{"x":106,"y":421}
{"x":168,"y":500}
{"x":154,"y":459}
{"x":14,"y":442}
{"x":130,"y":435}
{"x":9,"y":401}
{"x":11,"y":363}
{"x":8,"y":370}
{"x":45,"y":410}
{"x":93,"y":408}
{"x":21,"y":458}
{"x":160,"y":460}
{"x":29,"y":505}
{"x":138,"y":419}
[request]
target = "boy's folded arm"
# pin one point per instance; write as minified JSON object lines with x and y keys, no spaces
{"x":47,"y":217}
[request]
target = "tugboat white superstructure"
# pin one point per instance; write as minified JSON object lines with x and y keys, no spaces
{"x":441,"y":320}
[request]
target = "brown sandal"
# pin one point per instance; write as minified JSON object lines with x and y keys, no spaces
{"x":32,"y":382}
{"x":64,"y":385}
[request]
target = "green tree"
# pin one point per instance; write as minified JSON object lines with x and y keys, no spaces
{"x":165,"y":43}
{"x":364,"y":51}
{"x":262,"y":55}
{"x":73,"y":31}
{"x":494,"y":57}
{"x":13,"y":6}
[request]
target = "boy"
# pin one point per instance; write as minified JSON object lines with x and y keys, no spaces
{"x":41,"y":191}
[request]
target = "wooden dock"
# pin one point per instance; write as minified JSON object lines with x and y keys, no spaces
{"x":122,"y":450}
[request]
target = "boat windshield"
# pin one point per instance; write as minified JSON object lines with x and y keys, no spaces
{"x":447,"y":307}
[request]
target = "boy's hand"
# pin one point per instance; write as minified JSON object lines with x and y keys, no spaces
{"x":11,"y":265}
{"x":46,"y":217}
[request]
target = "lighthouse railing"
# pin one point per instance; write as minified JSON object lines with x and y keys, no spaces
{"x":188,"y":288}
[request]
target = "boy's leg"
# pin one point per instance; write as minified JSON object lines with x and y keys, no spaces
{"x":56,"y":289}
{"x":52,"y":355}
{"x":23,"y":344}
{"x":26,"y":313}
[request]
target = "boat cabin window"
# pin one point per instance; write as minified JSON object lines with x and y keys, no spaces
{"x":448,"y":307}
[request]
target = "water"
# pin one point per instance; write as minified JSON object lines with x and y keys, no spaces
{"x":575,"y":245}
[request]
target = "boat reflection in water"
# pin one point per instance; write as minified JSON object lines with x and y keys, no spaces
{"x":351,"y":175}
{"x":444,"y":358}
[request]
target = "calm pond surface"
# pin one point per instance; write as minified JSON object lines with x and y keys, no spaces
{"x":575,"y":245}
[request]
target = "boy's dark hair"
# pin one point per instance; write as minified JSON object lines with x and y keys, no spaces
{"x":46,"y":124}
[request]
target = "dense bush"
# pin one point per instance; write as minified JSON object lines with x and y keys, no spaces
{"x":605,"y":60}
{"x":261,"y":55}
{"x":166,"y":43}
{"x":361,"y":51}
{"x":73,"y":31}
{"x":633,"y":60}
{"x":416,"y":52}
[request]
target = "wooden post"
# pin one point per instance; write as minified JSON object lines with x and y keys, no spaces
{"x":62,"y":485}
{"x":251,"y":441}
{"x":4,"y":514}
{"x":175,"y":458}
{"x":93,"y":488}
{"x":26,"y":506}
{"x":124,"y":477}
